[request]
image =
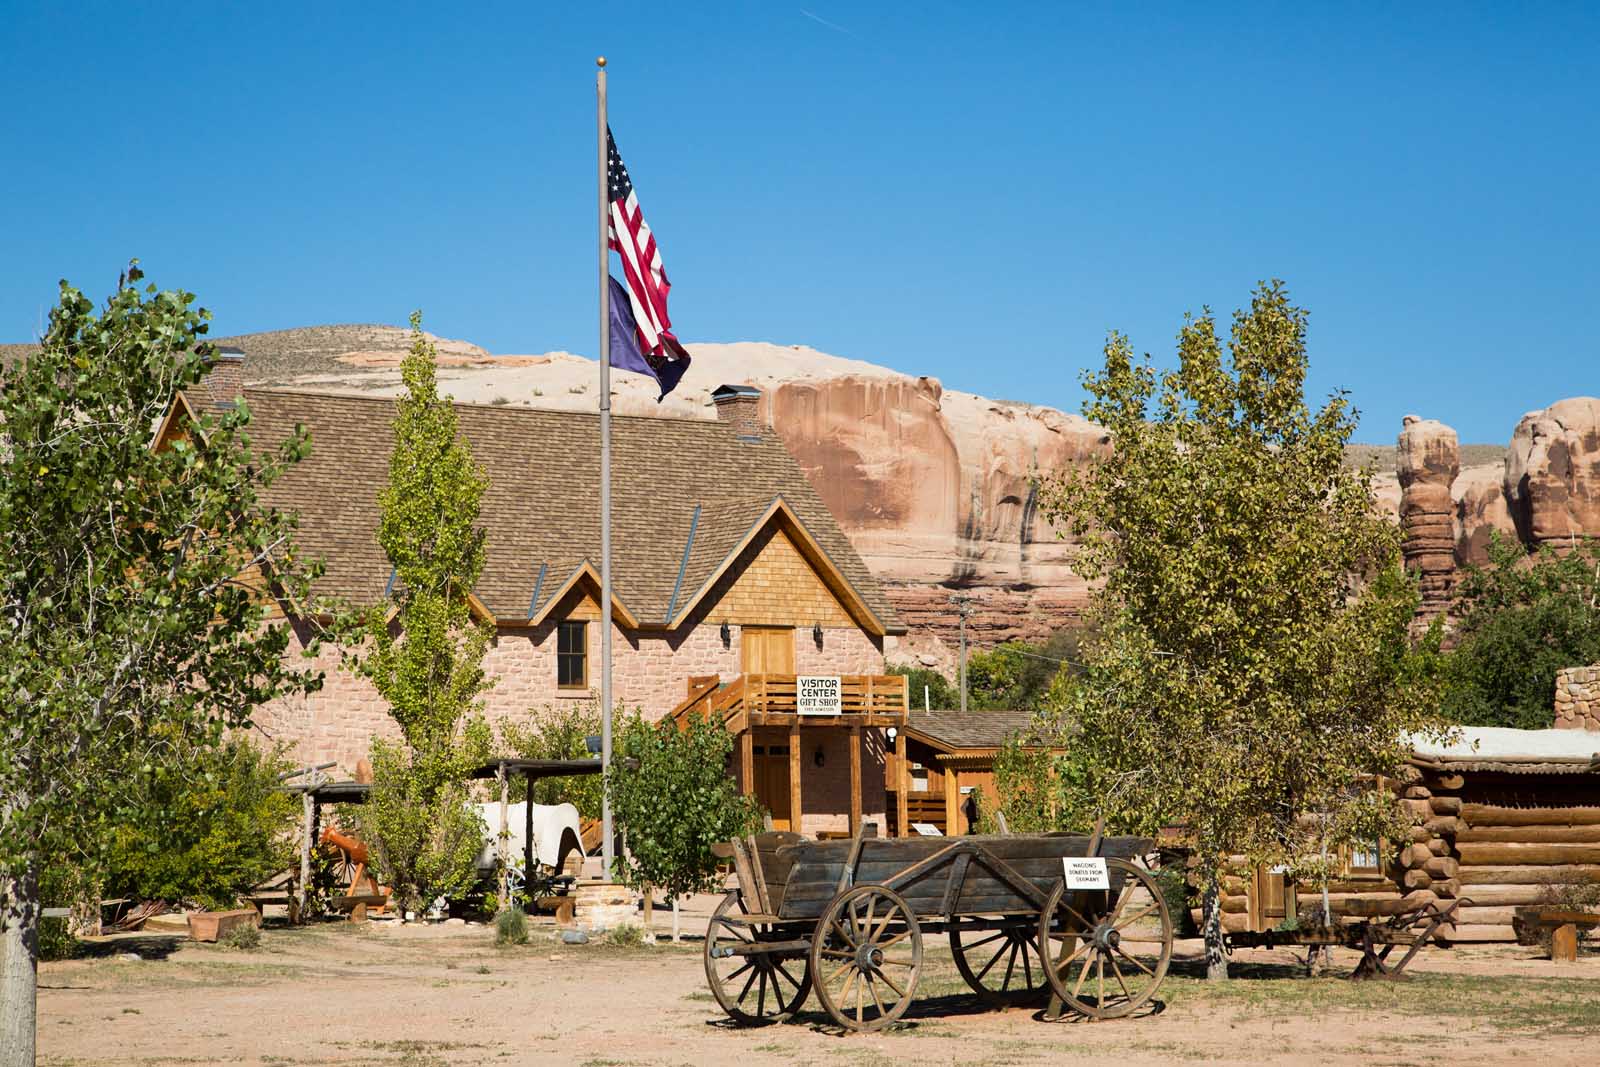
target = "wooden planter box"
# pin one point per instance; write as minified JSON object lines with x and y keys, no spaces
{"x":211,"y":925}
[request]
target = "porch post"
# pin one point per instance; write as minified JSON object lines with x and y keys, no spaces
{"x":952,"y":802}
{"x":902,"y":779}
{"x":747,"y":763}
{"x":855,"y":778}
{"x":794,"y":775}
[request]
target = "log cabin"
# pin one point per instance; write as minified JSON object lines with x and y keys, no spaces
{"x":1500,"y":818}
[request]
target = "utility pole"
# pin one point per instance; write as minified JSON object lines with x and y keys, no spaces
{"x":963,"y":604}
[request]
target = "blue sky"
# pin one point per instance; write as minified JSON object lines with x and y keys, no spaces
{"x":972,"y":191}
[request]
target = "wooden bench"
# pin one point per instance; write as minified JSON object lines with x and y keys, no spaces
{"x":1562,"y":924}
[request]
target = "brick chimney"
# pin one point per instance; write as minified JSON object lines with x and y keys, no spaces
{"x":224,"y":382}
{"x":739,"y":406}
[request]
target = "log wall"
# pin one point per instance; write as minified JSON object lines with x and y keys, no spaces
{"x":1495,"y":840}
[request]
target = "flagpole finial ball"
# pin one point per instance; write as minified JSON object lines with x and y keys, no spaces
{"x":600,"y":61}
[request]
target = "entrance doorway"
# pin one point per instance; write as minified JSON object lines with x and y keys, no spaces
{"x":771,"y":766}
{"x":766,"y":649}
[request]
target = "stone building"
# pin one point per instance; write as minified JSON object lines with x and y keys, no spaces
{"x":726,"y":564}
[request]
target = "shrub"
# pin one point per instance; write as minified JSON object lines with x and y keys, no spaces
{"x":511,"y":926}
{"x":205,"y":829}
{"x":56,"y":941}
{"x":244,"y":937}
{"x":626,"y":935}
{"x":558,"y":733}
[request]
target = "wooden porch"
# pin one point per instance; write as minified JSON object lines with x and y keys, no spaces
{"x":770,"y":703}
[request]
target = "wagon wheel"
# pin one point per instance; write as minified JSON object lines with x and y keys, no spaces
{"x":1094,"y":970}
{"x":1001,"y":965}
{"x":755,"y":989}
{"x":866,"y":957}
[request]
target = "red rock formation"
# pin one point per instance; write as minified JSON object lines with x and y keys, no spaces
{"x":936,"y":491}
{"x":1552,"y":477}
{"x":1428,"y":463}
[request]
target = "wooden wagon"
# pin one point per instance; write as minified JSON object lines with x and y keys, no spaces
{"x":847,"y":918}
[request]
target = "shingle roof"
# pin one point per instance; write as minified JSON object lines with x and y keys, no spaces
{"x":541,"y":508}
{"x":971,"y":729}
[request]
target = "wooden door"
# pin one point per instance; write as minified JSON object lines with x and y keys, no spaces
{"x":772,"y":781}
{"x":766,"y":649}
{"x":1272,"y":898}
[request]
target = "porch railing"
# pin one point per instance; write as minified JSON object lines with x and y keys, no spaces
{"x":770,"y":699}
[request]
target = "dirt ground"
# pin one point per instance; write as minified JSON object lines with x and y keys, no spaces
{"x":415,"y":996}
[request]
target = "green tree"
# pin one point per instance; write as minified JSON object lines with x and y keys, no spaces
{"x":1520,"y":619}
{"x":1253,"y":662}
{"x":130,"y":588}
{"x":424,"y":653}
{"x":674,"y":804}
{"x":940,"y":694}
{"x":210,"y":825}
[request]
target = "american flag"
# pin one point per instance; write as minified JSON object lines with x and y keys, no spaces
{"x":630,"y":235}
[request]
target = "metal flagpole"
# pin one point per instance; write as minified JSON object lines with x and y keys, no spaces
{"x":605,"y":476}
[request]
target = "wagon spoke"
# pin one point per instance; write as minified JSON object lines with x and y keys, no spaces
{"x":1085,"y":923}
{"x":1078,"y":986}
{"x":1062,"y":965}
{"x":873,"y":989}
{"x":761,"y":994}
{"x":1027,"y":971}
{"x":748,"y":963}
{"x":1001,"y":951}
{"x":859,"y":998}
{"x":777,"y":966}
{"x":896,"y":939}
{"x":852,"y":941}
{"x":1011,"y":965}
{"x":748,"y":982}
{"x":849,"y":987}
{"x":883,"y":927}
{"x":1130,"y":920}
{"x":886,"y":980}
{"x":1122,"y":898}
{"x":1100,"y":978}
{"x":1123,"y":953}
{"x":836,"y":954}
{"x":1118,"y":972}
{"x":987,"y":940}
{"x":843,"y":967}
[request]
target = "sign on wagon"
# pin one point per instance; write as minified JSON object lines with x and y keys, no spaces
{"x":817,"y":695}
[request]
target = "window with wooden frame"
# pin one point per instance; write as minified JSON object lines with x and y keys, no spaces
{"x":1364,"y":858}
{"x":572,"y":655}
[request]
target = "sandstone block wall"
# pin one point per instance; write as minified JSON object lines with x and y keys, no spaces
{"x":1578,"y":698}
{"x":650,"y":671}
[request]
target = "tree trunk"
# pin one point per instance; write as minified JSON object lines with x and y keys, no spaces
{"x":19,"y":963}
{"x":674,"y":920}
{"x":1211,"y":923}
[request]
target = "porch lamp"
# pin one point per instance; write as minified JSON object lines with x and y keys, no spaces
{"x":891,"y":733}
{"x":727,"y":635}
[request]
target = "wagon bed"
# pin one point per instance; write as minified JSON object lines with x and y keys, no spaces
{"x":847,"y":918}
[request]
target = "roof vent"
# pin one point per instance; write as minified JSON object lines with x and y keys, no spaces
{"x":740,"y":407}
